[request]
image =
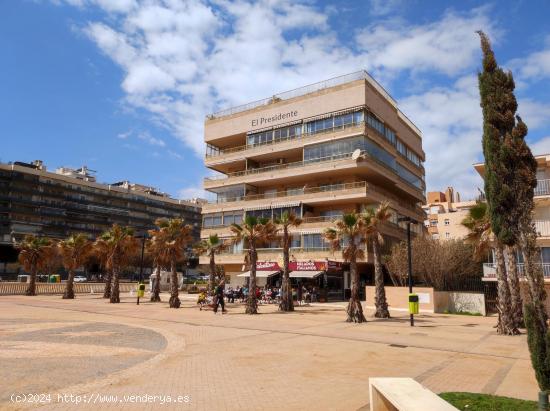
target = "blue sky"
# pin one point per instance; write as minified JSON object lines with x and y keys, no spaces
{"x":123,"y":86}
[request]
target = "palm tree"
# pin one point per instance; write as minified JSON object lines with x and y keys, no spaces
{"x":74,"y":252}
{"x":120,"y":246}
{"x":253,"y":231}
{"x":102,"y":252}
{"x":286,"y":221}
{"x":175,"y":237}
{"x":481,"y":236}
{"x":375,"y":218}
{"x":350,"y":233}
{"x":210,"y":247}
{"x":34,"y":254}
{"x":155,"y":248}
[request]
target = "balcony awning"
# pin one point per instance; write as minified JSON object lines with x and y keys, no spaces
{"x":305,"y":274}
{"x":311,"y":231}
{"x":259,"y":274}
{"x":290,"y":204}
{"x":262,"y":207}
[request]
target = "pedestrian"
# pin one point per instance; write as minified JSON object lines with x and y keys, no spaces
{"x":299,"y":294}
{"x":219,"y":297}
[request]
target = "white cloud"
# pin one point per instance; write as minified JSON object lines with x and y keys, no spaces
{"x":384,"y":7}
{"x":536,"y":114}
{"x":451,"y":122}
{"x":193,"y":192}
{"x":541,"y":146}
{"x":449,"y":45}
{"x":535,"y":66}
{"x":151,"y":140}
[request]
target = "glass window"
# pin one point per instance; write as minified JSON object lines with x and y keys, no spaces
{"x":545,"y":255}
{"x":314,"y":241}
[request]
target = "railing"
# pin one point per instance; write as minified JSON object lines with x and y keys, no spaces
{"x":301,"y":91}
{"x":18,"y":288}
{"x":542,"y":227}
{"x":300,"y":192}
{"x":542,"y":188}
{"x":302,"y":136}
{"x":296,"y":164}
{"x":489,"y":269}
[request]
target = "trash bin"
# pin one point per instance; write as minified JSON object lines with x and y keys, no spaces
{"x":413,"y":304}
{"x":141,"y":290}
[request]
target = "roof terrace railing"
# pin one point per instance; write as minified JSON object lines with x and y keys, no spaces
{"x":301,"y":91}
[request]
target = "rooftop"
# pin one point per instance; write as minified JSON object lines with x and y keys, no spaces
{"x":311,"y":88}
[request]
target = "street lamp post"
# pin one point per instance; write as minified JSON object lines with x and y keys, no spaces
{"x":143,"y":238}
{"x":409,"y":221}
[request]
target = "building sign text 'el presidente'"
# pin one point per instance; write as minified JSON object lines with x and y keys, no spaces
{"x":264,"y":121}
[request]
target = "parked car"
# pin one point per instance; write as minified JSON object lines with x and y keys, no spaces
{"x":80,"y":279}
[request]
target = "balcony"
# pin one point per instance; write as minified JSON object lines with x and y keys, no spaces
{"x":339,"y":162}
{"x":542,"y":188}
{"x":490,"y":271}
{"x":542,"y":227}
{"x":339,"y":191}
{"x":282,"y":144}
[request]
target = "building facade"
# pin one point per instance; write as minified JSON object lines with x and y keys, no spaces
{"x":318,"y":151}
{"x":541,"y":217}
{"x":445,"y":213}
{"x":57,"y":204}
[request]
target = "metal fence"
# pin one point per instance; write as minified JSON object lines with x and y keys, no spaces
{"x":15,"y":288}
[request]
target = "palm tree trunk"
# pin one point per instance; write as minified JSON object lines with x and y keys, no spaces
{"x":505,"y":325}
{"x":513,"y":284}
{"x":174,"y":293}
{"x":107,"y":289}
{"x":286,"y":293}
{"x":380,"y":292}
{"x":69,"y":289}
{"x":251,"y":302}
{"x":211,"y":277}
{"x":355,"y":310}
{"x":155,"y":297}
{"x":115,"y":290}
{"x":31,"y":288}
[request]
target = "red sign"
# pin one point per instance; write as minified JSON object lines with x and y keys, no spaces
{"x":267,"y":266}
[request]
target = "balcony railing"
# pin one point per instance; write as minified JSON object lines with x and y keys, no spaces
{"x":542,"y":227}
{"x":294,"y":193}
{"x":347,"y":78}
{"x":489,"y":269}
{"x":277,"y":167}
{"x":542,"y":188}
{"x":303,"y":136}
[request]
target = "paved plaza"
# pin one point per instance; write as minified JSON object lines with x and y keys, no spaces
{"x":311,"y":359}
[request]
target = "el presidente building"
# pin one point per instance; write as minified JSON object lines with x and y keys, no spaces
{"x":541,"y":217}
{"x":318,"y":151}
{"x":57,"y":204}
{"x":445,"y":213}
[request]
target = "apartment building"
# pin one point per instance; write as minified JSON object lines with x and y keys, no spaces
{"x":56,"y":204}
{"x":445,"y":213}
{"x":319,"y":151}
{"x":541,"y":217}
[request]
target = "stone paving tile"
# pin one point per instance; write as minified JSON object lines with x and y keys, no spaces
{"x":310,"y":359}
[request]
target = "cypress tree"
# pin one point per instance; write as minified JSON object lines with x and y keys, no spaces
{"x":499,"y":105}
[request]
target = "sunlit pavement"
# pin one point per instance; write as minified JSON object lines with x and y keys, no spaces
{"x":309,"y":359}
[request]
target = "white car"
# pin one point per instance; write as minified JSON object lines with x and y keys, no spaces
{"x":80,"y":279}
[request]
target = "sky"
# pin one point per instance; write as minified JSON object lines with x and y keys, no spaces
{"x":123,"y":86}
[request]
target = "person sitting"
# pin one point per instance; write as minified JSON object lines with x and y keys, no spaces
{"x":201,"y":301}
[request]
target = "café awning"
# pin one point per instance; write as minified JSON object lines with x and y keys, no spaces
{"x":259,"y":274}
{"x":304,"y":274}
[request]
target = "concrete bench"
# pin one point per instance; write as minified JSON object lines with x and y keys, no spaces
{"x":404,"y":394}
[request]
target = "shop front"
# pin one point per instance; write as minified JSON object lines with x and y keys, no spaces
{"x":267,"y":274}
{"x":324,"y":280}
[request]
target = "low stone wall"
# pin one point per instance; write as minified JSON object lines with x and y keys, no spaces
{"x":457,"y":302}
{"x":398,"y":298}
{"x":430,"y":301}
{"x":15,"y":288}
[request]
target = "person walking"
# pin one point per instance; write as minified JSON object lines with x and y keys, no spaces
{"x":218,"y":292}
